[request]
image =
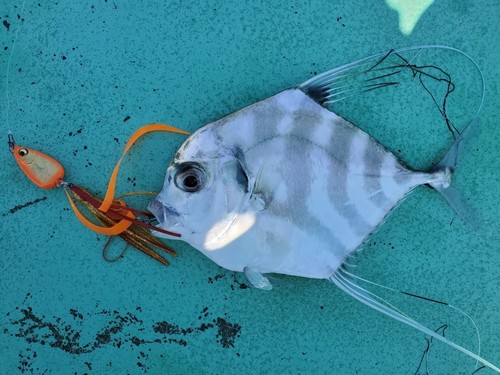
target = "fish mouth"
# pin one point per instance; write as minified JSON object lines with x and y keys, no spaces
{"x":168,"y":218}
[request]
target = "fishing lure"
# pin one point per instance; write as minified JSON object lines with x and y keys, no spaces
{"x":114,"y":216}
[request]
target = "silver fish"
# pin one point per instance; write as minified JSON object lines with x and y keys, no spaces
{"x":287,"y":186}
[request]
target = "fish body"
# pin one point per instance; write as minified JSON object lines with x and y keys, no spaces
{"x":287,"y":186}
{"x":292,"y":188}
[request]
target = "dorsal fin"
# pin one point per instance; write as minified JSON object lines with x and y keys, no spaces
{"x":351,"y":79}
{"x":317,"y":93}
{"x":380,"y":71}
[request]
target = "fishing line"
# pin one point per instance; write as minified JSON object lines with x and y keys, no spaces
{"x":483,"y":85}
{"x":451,"y":85}
{"x":479,"y":368}
{"x":419,"y":72}
{"x":383,"y":58}
{"x":9,"y":61}
{"x":105,"y":251}
{"x":450,"y":88}
{"x":425,"y":299}
{"x":427,"y":349}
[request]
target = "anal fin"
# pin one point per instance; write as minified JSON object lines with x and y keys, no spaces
{"x":345,"y":281}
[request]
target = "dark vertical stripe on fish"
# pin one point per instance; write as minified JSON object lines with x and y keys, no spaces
{"x":341,"y":143}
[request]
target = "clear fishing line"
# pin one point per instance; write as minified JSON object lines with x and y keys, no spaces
{"x":9,"y":62}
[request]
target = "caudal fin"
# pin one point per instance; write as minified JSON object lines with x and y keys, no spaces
{"x":448,"y":163}
{"x":447,"y":166}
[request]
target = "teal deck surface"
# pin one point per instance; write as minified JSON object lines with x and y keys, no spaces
{"x":83,"y":75}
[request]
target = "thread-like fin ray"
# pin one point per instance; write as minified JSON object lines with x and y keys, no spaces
{"x":345,"y":282}
{"x":387,"y":69}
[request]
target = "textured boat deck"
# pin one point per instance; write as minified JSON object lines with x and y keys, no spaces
{"x":84,"y":75}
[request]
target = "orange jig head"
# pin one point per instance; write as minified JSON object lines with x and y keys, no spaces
{"x":40,"y":168}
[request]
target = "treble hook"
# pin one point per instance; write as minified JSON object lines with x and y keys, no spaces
{"x":11,"y":141}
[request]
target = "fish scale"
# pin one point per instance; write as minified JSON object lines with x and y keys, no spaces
{"x":277,"y":137}
{"x":287,"y":186}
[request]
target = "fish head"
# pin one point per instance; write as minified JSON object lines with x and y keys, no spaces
{"x":203,"y":188}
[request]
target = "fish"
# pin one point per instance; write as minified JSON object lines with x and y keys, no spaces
{"x":287,"y":186}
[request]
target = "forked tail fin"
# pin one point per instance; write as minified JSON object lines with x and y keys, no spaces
{"x":345,"y":281}
{"x":447,"y":165}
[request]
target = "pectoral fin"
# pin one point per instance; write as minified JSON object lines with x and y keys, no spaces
{"x":257,"y":279}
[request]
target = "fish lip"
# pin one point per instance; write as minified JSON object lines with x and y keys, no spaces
{"x":155,"y":205}
{"x":167,"y":216}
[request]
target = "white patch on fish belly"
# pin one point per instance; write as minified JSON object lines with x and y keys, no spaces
{"x":223,"y":233}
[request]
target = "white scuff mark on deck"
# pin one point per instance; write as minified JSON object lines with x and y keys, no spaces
{"x":409,"y":12}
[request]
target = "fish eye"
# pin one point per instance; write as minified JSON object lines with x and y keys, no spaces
{"x":22,"y":152}
{"x":190,"y":177}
